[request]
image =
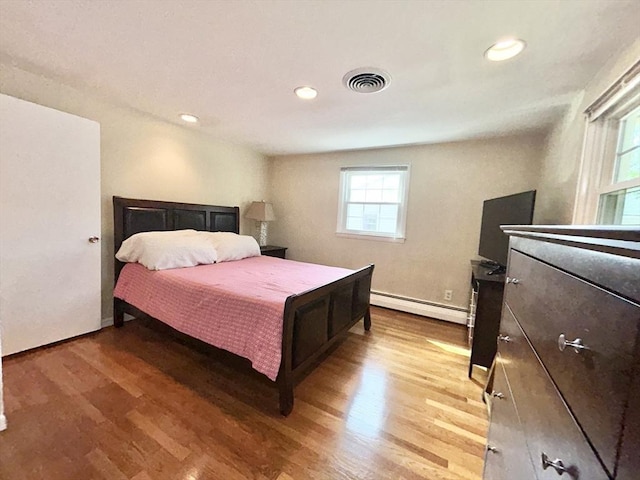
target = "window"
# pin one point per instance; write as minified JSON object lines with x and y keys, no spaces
{"x":373,"y":201}
{"x":609,"y":182}
{"x":619,"y":202}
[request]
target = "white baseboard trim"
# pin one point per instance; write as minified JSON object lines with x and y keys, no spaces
{"x":419,"y":307}
{"x":108,"y":322}
{"x":3,"y":423}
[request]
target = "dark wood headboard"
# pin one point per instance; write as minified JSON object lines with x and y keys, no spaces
{"x":131,"y":216}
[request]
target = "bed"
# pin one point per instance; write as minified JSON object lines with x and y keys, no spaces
{"x":313,"y":320}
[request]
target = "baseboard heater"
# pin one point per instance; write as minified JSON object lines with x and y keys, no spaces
{"x":448,"y":313}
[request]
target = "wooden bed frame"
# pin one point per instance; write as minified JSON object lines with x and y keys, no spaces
{"x":313,"y":321}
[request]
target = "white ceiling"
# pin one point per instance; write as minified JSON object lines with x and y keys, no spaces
{"x":235,"y":63}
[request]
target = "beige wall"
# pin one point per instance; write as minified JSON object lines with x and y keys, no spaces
{"x":448,"y":185}
{"x":142,"y":157}
{"x":561,"y":163}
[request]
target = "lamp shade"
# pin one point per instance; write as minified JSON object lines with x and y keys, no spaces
{"x":261,"y":211}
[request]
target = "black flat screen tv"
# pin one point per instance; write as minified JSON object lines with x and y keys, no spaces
{"x":514,"y":209}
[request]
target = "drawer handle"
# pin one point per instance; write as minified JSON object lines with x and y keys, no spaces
{"x":492,"y":449}
{"x":515,"y":281}
{"x":498,"y":395}
{"x":577,"y":344}
{"x":504,"y":338}
{"x":556,"y":464}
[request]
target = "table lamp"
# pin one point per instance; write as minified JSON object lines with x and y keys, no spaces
{"x":261,"y":212}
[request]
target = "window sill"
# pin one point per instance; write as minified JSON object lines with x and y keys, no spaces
{"x":377,"y":238}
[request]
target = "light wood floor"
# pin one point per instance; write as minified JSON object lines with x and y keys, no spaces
{"x":133,"y":403}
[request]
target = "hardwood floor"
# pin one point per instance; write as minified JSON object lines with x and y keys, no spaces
{"x":135,"y":404}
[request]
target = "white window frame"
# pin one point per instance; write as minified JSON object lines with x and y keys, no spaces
{"x":600,"y":144}
{"x":345,"y":174}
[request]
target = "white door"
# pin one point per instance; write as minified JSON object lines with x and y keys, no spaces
{"x":49,"y":210}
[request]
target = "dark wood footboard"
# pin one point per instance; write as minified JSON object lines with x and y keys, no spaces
{"x":314,"y":321}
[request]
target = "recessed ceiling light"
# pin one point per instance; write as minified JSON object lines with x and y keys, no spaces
{"x":505,"y":49}
{"x":306,"y":93}
{"x":189,"y":118}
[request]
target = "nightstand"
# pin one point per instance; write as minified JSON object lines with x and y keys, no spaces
{"x":273,"y":251}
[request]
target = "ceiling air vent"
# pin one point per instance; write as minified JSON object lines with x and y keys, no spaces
{"x":366,"y":80}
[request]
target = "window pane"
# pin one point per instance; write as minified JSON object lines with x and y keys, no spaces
{"x":357,"y":196}
{"x":354,"y":223}
{"x":370,"y":223}
{"x":372,"y":218}
{"x":630,"y":131}
{"x":387,"y":226}
{"x":628,"y":166}
{"x":371,"y":209}
{"x":389,"y":211}
{"x":390,"y":196}
{"x":392,"y":181}
{"x":354,"y":210}
{"x":373,"y":196}
{"x":358,"y":181}
{"x":375,"y":181}
{"x":628,"y":153}
{"x":620,"y":208}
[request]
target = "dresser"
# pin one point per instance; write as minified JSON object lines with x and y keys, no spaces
{"x":565,"y":392}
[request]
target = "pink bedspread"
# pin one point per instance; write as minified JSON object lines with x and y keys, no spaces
{"x":237,"y":306}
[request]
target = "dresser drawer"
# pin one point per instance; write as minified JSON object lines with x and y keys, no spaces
{"x":629,"y":461}
{"x":507,"y":456}
{"x":547,"y":424}
{"x":548,"y":303}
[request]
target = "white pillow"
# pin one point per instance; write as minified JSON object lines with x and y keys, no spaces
{"x":231,"y":246}
{"x":164,"y":250}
